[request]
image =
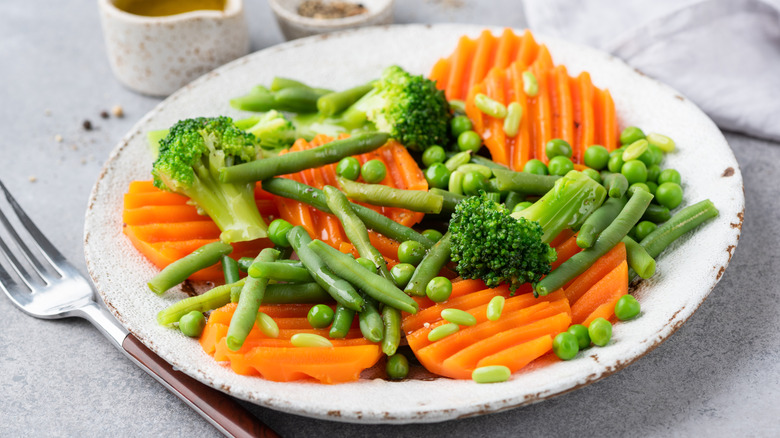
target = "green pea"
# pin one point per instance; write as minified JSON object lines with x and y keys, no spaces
{"x":439,"y":289}
{"x":653,"y":155}
{"x":320,"y":316}
{"x":615,"y":163}
{"x":560,"y":165}
{"x":669,"y":194}
{"x":432,"y":235}
{"x":401,"y":274}
{"x":536,"y":167}
{"x":581,"y":333}
{"x":627,"y":307}
{"x":491,"y":374}
{"x":438,"y":176}
{"x":267,"y":325}
{"x":277,"y":232}
{"x":669,"y":175}
{"x":457,"y":316}
{"x":397,"y":367}
{"x":192,"y":324}
{"x":434,"y":154}
{"x":473,"y":183}
{"x":596,"y":157}
{"x":593,"y":174}
{"x":651,"y":186}
{"x":631,"y":134}
{"x":368,"y":264}
{"x":635,"y":171}
{"x":495,"y":307}
{"x":652,"y":172}
{"x":469,"y":141}
{"x":565,"y":345}
{"x":304,"y":340}
{"x":411,"y":252}
{"x":600,"y":331}
{"x":637,"y":186}
{"x":522,"y":206}
{"x":635,"y":150}
{"x":373,"y":171}
{"x":349,"y":168}
{"x":459,"y":125}
{"x":443,"y":331}
{"x":643,"y":229}
{"x":663,"y":142}
{"x":557,"y":147}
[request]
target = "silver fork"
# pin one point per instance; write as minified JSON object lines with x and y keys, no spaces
{"x":45,"y":285}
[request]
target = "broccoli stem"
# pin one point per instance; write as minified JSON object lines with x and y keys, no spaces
{"x":570,"y":201}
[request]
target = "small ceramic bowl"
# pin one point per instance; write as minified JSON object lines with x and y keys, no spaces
{"x":159,"y":55}
{"x":295,"y":26}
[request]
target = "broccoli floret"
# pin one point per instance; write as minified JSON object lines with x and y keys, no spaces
{"x":273,"y":131}
{"x":409,"y":108}
{"x":491,"y":244}
{"x":189,"y":160}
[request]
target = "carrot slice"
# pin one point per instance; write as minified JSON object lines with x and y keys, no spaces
{"x":597,"y":271}
{"x":521,"y":355}
{"x":588,"y":125}
{"x":606,"y":291}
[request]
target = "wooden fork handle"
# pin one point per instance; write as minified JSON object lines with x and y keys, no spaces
{"x":217,"y":408}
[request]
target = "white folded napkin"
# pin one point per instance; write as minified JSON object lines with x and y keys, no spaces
{"x":722,"y":54}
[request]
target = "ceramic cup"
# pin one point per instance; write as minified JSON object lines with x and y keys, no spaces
{"x":159,"y":55}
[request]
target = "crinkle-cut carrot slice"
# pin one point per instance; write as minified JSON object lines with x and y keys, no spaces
{"x":596,"y":272}
{"x":518,"y":356}
{"x":605,"y":292}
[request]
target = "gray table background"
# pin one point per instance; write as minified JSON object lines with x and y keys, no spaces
{"x":719,"y":375}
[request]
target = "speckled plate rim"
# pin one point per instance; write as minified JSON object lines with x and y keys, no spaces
{"x":687,"y":272}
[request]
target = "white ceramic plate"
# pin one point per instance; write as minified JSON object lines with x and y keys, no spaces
{"x":686,"y":273}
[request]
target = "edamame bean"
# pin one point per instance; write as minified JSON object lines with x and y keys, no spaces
{"x":491,"y":374}
{"x":663,"y":142}
{"x":457,"y":316}
{"x":530,"y":84}
{"x":309,"y":340}
{"x":495,"y":307}
{"x":443,"y":331}
{"x":514,"y":115}
{"x":489,"y":106}
{"x":267,"y":325}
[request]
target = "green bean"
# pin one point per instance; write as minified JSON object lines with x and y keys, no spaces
{"x":280,"y":272}
{"x":292,"y":162}
{"x":455,"y":184}
{"x":244,"y":263}
{"x":294,"y":190}
{"x":616,"y":184}
{"x":338,"y":101}
{"x":178,"y":271}
{"x":524,"y":182}
{"x":230,"y":269}
{"x":300,"y":293}
{"x":530,"y":85}
{"x":378,"y":194}
{"x":489,"y":106}
{"x":478,"y":159}
{"x":248,"y":303}
{"x":683,"y":221}
{"x":512,"y":199}
{"x":657,"y":214}
{"x":608,"y":238}
{"x":391,"y":317}
{"x":371,"y":324}
{"x":378,"y":287}
{"x":514,"y":115}
{"x":267,"y":325}
{"x":342,"y":322}
{"x":479,"y":168}
{"x":280,"y":83}
{"x":355,"y":229}
{"x":491,"y":374}
{"x":429,"y":267}
{"x":310,"y":340}
{"x":638,"y":258}
{"x":449,"y":200}
{"x":235,"y":292}
{"x":340,"y":289}
{"x":457,"y":160}
{"x":599,"y":220}
{"x":259,"y":99}
{"x":296,"y":99}
{"x":210,"y":300}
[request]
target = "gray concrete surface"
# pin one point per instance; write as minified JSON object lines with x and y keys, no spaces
{"x":719,"y":375}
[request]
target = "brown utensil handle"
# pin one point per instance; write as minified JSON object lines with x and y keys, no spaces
{"x":217,"y":408}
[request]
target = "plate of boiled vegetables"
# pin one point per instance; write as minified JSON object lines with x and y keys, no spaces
{"x":364,"y":228}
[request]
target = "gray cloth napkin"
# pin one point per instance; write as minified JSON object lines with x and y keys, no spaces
{"x":722,"y":54}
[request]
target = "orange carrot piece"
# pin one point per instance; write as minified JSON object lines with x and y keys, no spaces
{"x":521,"y":355}
{"x":496,"y":143}
{"x":566,"y":250}
{"x":529,"y":49}
{"x":151,"y":214}
{"x":506,"y":49}
{"x":160,"y":197}
{"x":522,"y":146}
{"x":542,"y":105}
{"x":576,"y":105}
{"x":610,"y":123}
{"x":483,"y":58}
{"x":566,"y":120}
{"x":142,"y":187}
{"x":440,"y":72}
{"x":588,"y":124}
{"x":176,"y":231}
{"x":460,"y":68}
{"x":597,"y":271}
{"x":606,"y":291}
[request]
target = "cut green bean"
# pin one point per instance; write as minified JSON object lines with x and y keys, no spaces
{"x":385,"y":196}
{"x":207,"y":255}
{"x":341,"y":290}
{"x":338,"y":101}
{"x":449,"y":200}
{"x":376,"y":286}
{"x":491,"y":374}
{"x":443,"y":331}
{"x":495,"y":307}
{"x":280,"y":272}
{"x":599,"y":220}
{"x":530,"y":85}
{"x":296,"y":99}
{"x":524,"y":182}
{"x":244,"y":263}
{"x":209,"y":300}
{"x":682,"y":222}
{"x":354,"y":228}
{"x":457,"y":316}
{"x":489,"y":106}
{"x":455,"y":183}
{"x":429,"y":267}
{"x":280,"y":83}
{"x":478,"y":159}
{"x":391,"y":317}
{"x":615,"y":183}
{"x":292,"y":162}
{"x":310,"y":340}
{"x":235,"y":292}
{"x":608,"y":238}
{"x":230,"y":269}
{"x":300,"y":293}
{"x":259,"y":99}
{"x":370,"y":321}
{"x":457,"y":160}
{"x":479,"y":168}
{"x":512,"y":199}
{"x":252,"y":292}
{"x":514,"y":115}
{"x":342,"y":322}
{"x":291,"y":189}
{"x":638,"y":258}
{"x":267,"y":325}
